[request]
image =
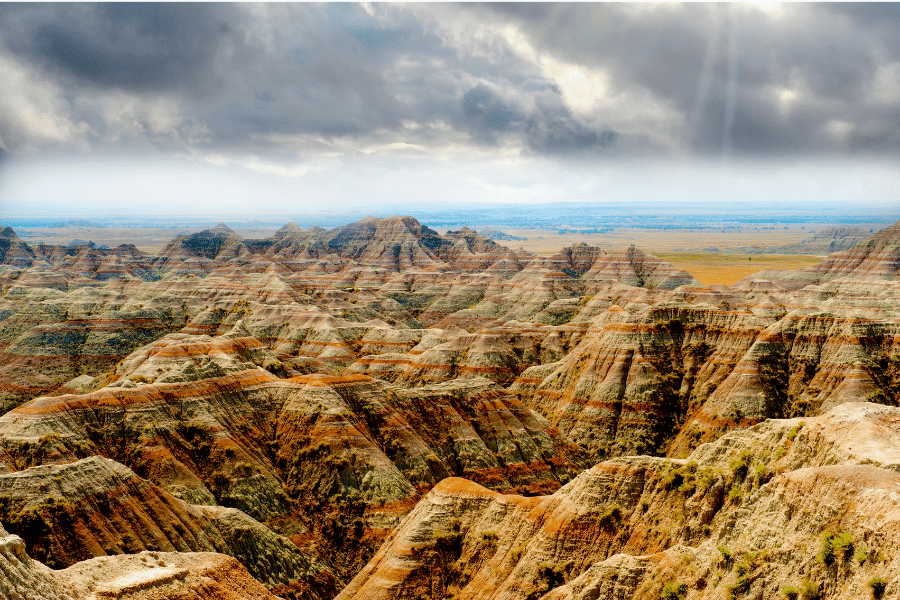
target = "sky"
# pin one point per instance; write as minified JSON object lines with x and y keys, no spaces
{"x":263,"y":109}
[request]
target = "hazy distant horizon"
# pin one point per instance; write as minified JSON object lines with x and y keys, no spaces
{"x":541,"y":216}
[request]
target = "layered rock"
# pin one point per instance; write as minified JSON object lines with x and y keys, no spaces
{"x":209,"y":421}
{"x":323,"y":384}
{"x":13,"y":251}
{"x":144,"y":576}
{"x":97,"y":507}
{"x":749,"y":514}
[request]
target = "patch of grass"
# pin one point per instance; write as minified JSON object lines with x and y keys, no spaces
{"x":790,"y":592}
{"x":843,"y":544}
{"x":835,"y":545}
{"x":740,"y":464}
{"x":809,"y":590}
{"x":673,"y":591}
{"x":489,"y":537}
{"x":878,"y":585}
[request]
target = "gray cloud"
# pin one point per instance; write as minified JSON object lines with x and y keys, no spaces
{"x":135,"y":46}
{"x":796,"y":70}
{"x":487,"y":116}
{"x":301,"y":80}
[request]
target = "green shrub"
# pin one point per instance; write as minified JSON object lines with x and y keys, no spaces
{"x":826,"y":552}
{"x":762,"y":474}
{"x":742,"y":570}
{"x":861,"y":555}
{"x":878,"y":585}
{"x":809,"y":590}
{"x":790,"y":592}
{"x":834,"y":545}
{"x":843,"y":544}
{"x":673,"y":591}
{"x":725,"y":552}
{"x":740,"y":464}
{"x":610,"y":516}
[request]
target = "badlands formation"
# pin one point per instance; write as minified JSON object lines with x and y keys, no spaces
{"x":379,"y":411}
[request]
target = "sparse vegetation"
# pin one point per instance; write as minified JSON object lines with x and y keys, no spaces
{"x":740,"y":464}
{"x":834,"y":545}
{"x":349,"y":464}
{"x":673,"y":591}
{"x":843,"y":544}
{"x":548,"y":577}
{"x":610,"y":516}
{"x":809,"y":590}
{"x":489,"y":537}
{"x":878,"y":585}
{"x":790,"y":592}
{"x":826,"y":550}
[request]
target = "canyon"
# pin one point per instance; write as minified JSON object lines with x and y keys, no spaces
{"x":382,"y":411}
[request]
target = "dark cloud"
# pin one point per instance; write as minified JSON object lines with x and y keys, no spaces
{"x":135,"y":46}
{"x":485,"y":115}
{"x":265,"y":78}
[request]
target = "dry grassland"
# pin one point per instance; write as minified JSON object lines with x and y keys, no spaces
{"x":685,"y":248}
{"x":726,"y":269}
{"x":545,"y":242}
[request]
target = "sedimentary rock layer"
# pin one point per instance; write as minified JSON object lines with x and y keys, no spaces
{"x":791,"y":503}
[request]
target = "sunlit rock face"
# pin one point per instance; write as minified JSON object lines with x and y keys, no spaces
{"x":410,"y":414}
{"x":145,"y":575}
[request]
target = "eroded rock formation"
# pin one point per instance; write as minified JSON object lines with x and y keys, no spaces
{"x":301,"y":401}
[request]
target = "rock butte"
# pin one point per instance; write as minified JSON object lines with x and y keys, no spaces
{"x":381,"y":411}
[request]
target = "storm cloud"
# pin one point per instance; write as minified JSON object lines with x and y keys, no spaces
{"x":297,"y":82}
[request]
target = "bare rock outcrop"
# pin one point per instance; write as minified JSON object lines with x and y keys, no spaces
{"x":143,"y":576}
{"x":791,"y":503}
{"x":97,"y":507}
